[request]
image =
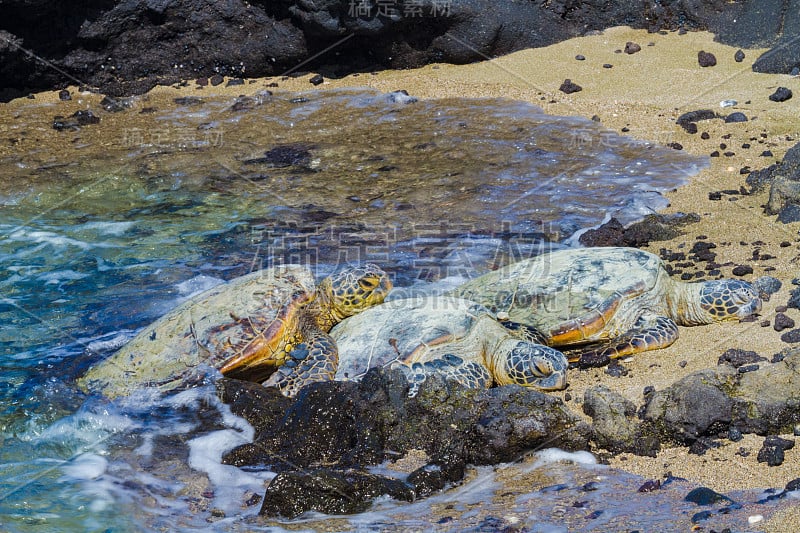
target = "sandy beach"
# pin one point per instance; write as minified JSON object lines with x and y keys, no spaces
{"x":644,"y":93}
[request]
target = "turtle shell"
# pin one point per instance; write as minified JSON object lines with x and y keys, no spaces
{"x":256,"y":311}
{"x":393,"y":330}
{"x":592,"y":286}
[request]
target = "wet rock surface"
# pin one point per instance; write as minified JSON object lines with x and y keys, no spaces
{"x":107,"y":44}
{"x":347,"y":426}
{"x":651,"y":228}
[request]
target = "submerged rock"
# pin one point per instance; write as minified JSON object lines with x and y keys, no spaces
{"x":329,"y":491}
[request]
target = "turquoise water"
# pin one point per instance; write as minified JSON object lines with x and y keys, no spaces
{"x":94,"y":247}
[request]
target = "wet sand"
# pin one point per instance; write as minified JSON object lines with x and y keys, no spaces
{"x":645,"y":92}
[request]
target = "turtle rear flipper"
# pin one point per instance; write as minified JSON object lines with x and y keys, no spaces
{"x":311,"y":361}
{"x":649,"y":333}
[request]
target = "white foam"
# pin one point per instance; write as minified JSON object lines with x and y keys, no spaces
{"x":85,"y":467}
{"x":556,"y":455}
{"x":57,"y":276}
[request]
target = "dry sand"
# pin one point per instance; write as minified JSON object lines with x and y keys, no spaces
{"x":645,"y":92}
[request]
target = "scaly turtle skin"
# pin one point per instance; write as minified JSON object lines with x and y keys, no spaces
{"x":451,"y":336}
{"x":246,"y":328}
{"x":608,"y":302}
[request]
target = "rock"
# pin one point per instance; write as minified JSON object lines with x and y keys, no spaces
{"x":737,"y":358}
{"x":316,"y":80}
{"x":781,"y":94}
{"x":580,"y":57}
{"x":261,"y":406}
{"x":739,"y":56}
{"x":694,"y":406}
{"x":329,"y":491}
{"x":355,"y":424}
{"x":789,"y":213}
{"x":706,"y":59}
{"x":615,"y":424}
{"x":632,"y":48}
{"x":650,"y":485}
{"x":793,"y":485}
{"x":736,"y":117}
{"x":651,"y":228}
{"x":771,"y":451}
{"x":64,"y":95}
{"x":694,"y":116}
{"x":434,"y":476}
{"x":781,"y":58}
{"x":794,"y":299}
{"x":115,"y":105}
{"x":742,"y":270}
{"x":702,"y":445}
{"x":706,"y":496}
{"x":285,"y":155}
{"x":568,"y":87}
{"x":792,"y":336}
{"x":789,"y":169}
{"x":782,"y":322}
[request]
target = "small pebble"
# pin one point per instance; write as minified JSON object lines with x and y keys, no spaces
{"x":742,"y":270}
{"x":608,"y":65}
{"x":682,"y":364}
{"x":64,"y":95}
{"x":568,"y":87}
{"x":781,"y":94}
{"x":728,"y":103}
{"x":216,"y":79}
{"x":734,"y":435}
{"x":755,"y":519}
{"x":736,"y":117}
{"x":706,"y":496}
{"x":782,"y":322}
{"x":706,"y":59}
{"x":317,"y":79}
{"x":705,"y":136}
{"x":650,"y":485}
{"x":580,"y":57}
{"x":631,"y":47}
{"x":738,"y":56}
{"x":675,"y":146}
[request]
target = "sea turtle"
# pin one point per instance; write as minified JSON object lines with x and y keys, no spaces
{"x":451,"y":336}
{"x":609,"y":302}
{"x":246,"y":328}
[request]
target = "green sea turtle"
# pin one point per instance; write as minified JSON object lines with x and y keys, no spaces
{"x":451,"y":336}
{"x":608,"y":302}
{"x":246,"y":328}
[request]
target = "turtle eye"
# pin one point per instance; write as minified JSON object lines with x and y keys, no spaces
{"x":368,"y":283}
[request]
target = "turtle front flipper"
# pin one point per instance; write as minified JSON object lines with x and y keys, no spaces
{"x":313,"y":360}
{"x":649,"y":333}
{"x":469,"y":373}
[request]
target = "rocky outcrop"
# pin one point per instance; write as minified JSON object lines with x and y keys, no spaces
{"x":127,"y":46}
{"x":783,"y":180}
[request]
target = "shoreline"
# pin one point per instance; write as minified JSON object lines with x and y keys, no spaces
{"x":641,"y":96}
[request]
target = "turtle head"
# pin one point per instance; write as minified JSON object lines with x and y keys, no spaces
{"x":725,"y":299}
{"x":530,"y":365}
{"x":354,"y":289}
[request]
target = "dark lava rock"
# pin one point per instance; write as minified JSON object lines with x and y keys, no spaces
{"x":115,"y":105}
{"x":706,"y":496}
{"x":742,"y":270}
{"x":616,"y":427}
{"x":64,"y":95}
{"x":739,"y":56}
{"x":651,"y":228}
{"x":782,"y":322}
{"x":781,"y":94}
{"x":791,"y":336}
{"x":316,"y":80}
{"x":771,"y":451}
{"x":632,"y":48}
{"x":79,"y":118}
{"x":569,"y":87}
{"x":675,"y":145}
{"x":794,"y":299}
{"x":434,"y":476}
{"x":261,"y":406}
{"x":287,"y":155}
{"x":736,"y":117}
{"x":329,"y":491}
{"x":702,"y":445}
{"x":650,"y":485}
{"x":737,"y":358}
{"x":580,"y":57}
{"x":710,"y":401}
{"x":734,"y":435}
{"x":693,"y":116}
{"x":188,"y":100}
{"x":353,"y":424}
{"x":216,"y":79}
{"x":793,"y":485}
{"x":789,"y":213}
{"x":234,"y":81}
{"x":706,"y":59}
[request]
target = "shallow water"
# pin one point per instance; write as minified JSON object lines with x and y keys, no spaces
{"x":107,"y":228}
